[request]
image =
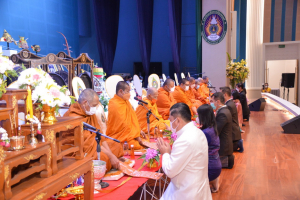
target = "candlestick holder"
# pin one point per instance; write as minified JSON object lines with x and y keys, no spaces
{"x":32,"y":141}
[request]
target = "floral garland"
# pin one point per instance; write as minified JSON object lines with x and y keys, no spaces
{"x":6,"y":70}
{"x":237,"y":72}
{"x":150,"y":156}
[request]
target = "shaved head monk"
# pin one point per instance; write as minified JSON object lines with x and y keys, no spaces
{"x":165,"y":99}
{"x":181,"y":97}
{"x":122,"y":121}
{"x":141,"y":113}
{"x":204,"y":86}
{"x":86,"y":107}
{"x":191,"y":93}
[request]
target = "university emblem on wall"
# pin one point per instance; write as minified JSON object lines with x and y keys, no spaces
{"x":214,"y":27}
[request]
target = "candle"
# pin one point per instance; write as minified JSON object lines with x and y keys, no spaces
{"x":29,"y":102}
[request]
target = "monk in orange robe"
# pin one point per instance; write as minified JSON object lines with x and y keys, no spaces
{"x":141,"y":113}
{"x":165,"y":99}
{"x":204,"y":86}
{"x":180,"y":95}
{"x":86,"y":108}
{"x":199,"y":94}
{"x":191,"y":93}
{"x":122,"y":122}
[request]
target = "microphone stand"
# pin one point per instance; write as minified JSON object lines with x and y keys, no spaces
{"x":98,"y":139}
{"x":149,"y":113}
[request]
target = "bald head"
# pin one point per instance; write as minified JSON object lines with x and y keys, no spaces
{"x":205,"y":79}
{"x":168,"y":82}
{"x":169,"y":85}
{"x":87,"y":95}
{"x":152,"y":94}
{"x":88,"y":99}
{"x":122,"y":85}
{"x":191,"y":80}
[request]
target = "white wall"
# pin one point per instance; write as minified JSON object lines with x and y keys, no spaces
{"x":275,"y":70}
{"x":214,"y":57}
{"x":290,"y":52}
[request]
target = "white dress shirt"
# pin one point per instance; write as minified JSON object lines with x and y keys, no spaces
{"x":187,"y":166}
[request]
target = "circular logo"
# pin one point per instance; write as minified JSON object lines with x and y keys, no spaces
{"x":214,"y":27}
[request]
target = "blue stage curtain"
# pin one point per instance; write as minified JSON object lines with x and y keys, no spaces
{"x":106,"y":14}
{"x":175,"y":13}
{"x":145,"y":24}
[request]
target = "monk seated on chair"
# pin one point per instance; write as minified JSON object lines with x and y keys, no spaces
{"x":165,"y":99}
{"x":204,"y":86}
{"x":86,"y":107}
{"x":122,"y":122}
{"x":191,"y":93}
{"x":141,"y":113}
{"x":180,"y":95}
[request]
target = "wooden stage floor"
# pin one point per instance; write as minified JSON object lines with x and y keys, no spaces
{"x":269,"y":168}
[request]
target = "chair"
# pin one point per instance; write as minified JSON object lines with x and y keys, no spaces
{"x":86,"y":78}
{"x":164,"y":77}
{"x":137,"y":84}
{"x":58,"y":79}
{"x":176,"y":79}
{"x":182,"y":75}
{"x":64,"y":75}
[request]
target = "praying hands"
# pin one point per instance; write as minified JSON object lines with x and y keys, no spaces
{"x":163,"y":146}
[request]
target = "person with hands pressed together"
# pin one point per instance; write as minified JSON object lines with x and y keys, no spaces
{"x":187,"y":163}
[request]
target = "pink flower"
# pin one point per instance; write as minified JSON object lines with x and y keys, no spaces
{"x":36,"y":77}
{"x":7,"y":145}
{"x":54,"y":92}
{"x":150,"y":154}
{"x":174,"y":136}
{"x":2,"y":143}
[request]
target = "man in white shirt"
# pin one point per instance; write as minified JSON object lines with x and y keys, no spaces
{"x":187,"y":163}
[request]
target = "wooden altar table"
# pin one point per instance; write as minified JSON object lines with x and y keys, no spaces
{"x":53,"y":134}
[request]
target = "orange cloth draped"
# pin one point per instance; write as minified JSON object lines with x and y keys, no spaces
{"x":190,"y":94}
{"x":141,"y":114}
{"x":205,"y":90}
{"x":181,"y":97}
{"x":122,"y":122}
{"x":165,"y":101}
{"x":200,"y":96}
{"x":90,"y":144}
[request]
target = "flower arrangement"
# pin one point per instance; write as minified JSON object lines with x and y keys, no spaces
{"x":51,"y":94}
{"x":104,"y":99}
{"x":150,"y":157}
{"x":33,"y":77}
{"x":237,"y":72}
{"x":6,"y":69}
{"x":4,"y":138}
{"x":171,"y":136}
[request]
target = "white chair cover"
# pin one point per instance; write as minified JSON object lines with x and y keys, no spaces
{"x":111,"y":83}
{"x":176,"y":79}
{"x":153,"y":81}
{"x":78,"y":86}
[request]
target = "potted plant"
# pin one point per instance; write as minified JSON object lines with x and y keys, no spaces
{"x":151,"y":157}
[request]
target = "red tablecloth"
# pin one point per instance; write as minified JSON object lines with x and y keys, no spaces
{"x":129,"y":188}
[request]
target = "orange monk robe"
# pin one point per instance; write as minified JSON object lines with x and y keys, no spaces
{"x":165,"y":101}
{"x":199,"y":96}
{"x":90,"y":144}
{"x":190,"y":94}
{"x":122,"y":122}
{"x":141,"y":114}
{"x":205,"y":90}
{"x":181,"y":97}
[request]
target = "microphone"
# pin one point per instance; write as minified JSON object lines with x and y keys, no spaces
{"x":89,"y":126}
{"x":144,"y":102}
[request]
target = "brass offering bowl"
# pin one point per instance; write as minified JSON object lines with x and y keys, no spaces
{"x":17,"y":142}
{"x":76,"y":191}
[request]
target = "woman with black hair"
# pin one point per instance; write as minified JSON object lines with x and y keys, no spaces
{"x":208,"y":124}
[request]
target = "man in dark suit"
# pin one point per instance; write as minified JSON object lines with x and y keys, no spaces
{"x":224,"y":125}
{"x":246,"y":112}
{"x":236,"y":132}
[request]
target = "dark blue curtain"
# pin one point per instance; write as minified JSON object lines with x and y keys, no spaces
{"x":106,"y":14}
{"x":175,"y":13}
{"x":145,"y":23}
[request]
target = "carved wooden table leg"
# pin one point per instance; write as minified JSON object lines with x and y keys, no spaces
{"x":7,"y":177}
{"x":78,"y":134}
{"x":89,"y":184}
{"x":2,"y":156}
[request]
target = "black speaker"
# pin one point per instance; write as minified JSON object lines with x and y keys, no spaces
{"x":288,"y":80}
{"x":292,"y":125}
{"x":258,"y":105}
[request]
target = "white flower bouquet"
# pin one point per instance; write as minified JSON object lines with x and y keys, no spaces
{"x":33,"y":77}
{"x":6,"y":69}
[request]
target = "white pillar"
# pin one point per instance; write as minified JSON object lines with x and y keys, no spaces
{"x":254,"y":48}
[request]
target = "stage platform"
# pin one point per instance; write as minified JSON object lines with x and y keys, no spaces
{"x":269,"y":168}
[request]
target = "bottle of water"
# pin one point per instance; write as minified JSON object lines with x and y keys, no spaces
{"x":126,"y":149}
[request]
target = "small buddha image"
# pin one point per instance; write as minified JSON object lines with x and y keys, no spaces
{"x":213,"y":29}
